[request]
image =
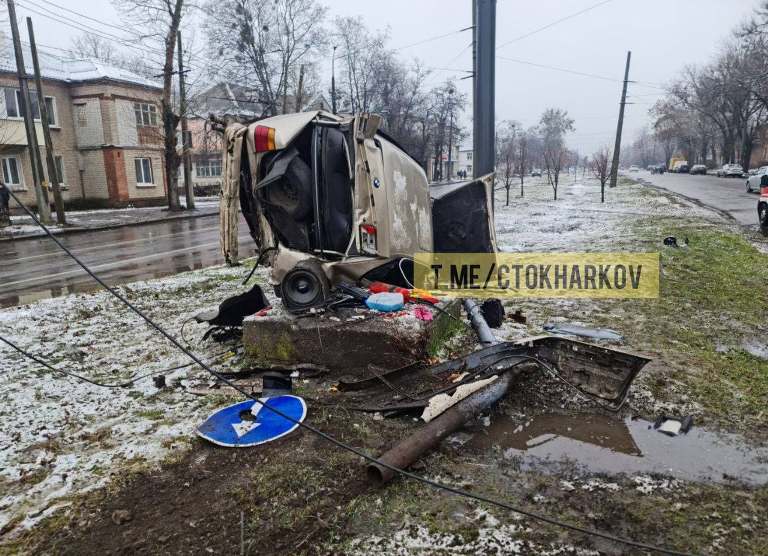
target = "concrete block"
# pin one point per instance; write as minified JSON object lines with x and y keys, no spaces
{"x":347,"y":345}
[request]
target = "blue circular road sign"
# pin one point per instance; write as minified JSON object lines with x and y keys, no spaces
{"x":249,"y":423}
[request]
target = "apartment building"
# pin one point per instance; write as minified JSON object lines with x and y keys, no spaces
{"x":227,"y":100}
{"x":105,"y":128}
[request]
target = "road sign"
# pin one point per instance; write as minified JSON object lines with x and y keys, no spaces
{"x":249,"y":423}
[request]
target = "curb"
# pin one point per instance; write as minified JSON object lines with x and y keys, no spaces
{"x":725,"y":214}
{"x":78,"y":230}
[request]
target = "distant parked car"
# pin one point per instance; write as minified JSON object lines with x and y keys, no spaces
{"x":730,"y":171}
{"x":536,"y":173}
{"x":698,"y":169}
{"x":634,"y":168}
{"x":759,"y":180}
{"x":762,"y":211}
{"x":680,"y":167}
{"x":658,"y":168}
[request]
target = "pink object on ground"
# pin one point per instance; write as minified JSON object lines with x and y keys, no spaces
{"x":422,"y":313}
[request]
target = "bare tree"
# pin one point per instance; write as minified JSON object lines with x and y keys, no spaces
{"x":89,"y":45}
{"x":265,"y":45}
{"x":601,"y":168}
{"x":162,"y":19}
{"x":523,"y":158}
{"x":554,"y":124}
{"x":506,"y":155}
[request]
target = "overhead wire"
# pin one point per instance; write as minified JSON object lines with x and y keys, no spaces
{"x":328,"y":437}
{"x":552,"y":24}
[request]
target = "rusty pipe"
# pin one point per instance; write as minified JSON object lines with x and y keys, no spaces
{"x":428,"y":437}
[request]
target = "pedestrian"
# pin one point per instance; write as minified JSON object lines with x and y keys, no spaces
{"x":5,"y":199}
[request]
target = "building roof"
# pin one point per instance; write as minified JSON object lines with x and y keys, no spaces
{"x":69,"y":70}
{"x":232,"y":100}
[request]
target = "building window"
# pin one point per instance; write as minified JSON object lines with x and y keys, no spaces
{"x":50,"y":106}
{"x":469,"y":155}
{"x":144,"y":171}
{"x":146,"y":114}
{"x":82,"y":115}
{"x":208,"y":167}
{"x":60,"y":177}
{"x":12,"y":171}
{"x":469,"y":169}
{"x":11,"y":103}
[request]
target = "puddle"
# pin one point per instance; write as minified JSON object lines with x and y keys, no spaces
{"x":601,"y":444}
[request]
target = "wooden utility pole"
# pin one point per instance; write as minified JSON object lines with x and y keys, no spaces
{"x":186,"y":146}
{"x":41,"y":195}
{"x":617,"y":147}
{"x":53,"y":175}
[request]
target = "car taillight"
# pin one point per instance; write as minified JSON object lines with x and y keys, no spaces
{"x":264,"y":138}
{"x":368,"y":238}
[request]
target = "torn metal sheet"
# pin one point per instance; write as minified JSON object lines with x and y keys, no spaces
{"x":584,"y":332}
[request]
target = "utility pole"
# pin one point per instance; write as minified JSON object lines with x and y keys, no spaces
{"x":484,"y":102}
{"x":41,"y":196}
{"x":617,"y":146}
{"x":189,"y":190}
{"x":333,"y":80}
{"x":53,"y":174}
{"x":450,"y":134}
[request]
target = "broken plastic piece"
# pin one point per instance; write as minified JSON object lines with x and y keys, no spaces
{"x":584,"y":331}
{"x":234,"y":309}
{"x":672,"y":426}
{"x":493,"y":312}
{"x":385,"y":302}
{"x":423,"y":314}
{"x":438,"y":404}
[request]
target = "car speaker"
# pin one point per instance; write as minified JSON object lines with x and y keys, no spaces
{"x":305,"y":286}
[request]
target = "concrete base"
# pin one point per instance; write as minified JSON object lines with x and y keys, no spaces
{"x":346,"y":346}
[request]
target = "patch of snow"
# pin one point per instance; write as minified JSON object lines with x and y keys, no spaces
{"x":62,"y":437}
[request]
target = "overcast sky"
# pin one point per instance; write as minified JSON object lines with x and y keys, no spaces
{"x":663,"y":35}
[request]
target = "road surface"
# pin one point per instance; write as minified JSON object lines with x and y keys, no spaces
{"x":32,"y":269}
{"x":726,"y":194}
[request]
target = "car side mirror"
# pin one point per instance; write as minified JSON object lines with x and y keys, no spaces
{"x":369,"y":125}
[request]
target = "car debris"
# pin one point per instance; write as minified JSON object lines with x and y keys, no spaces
{"x":493,"y":312}
{"x":385,"y":302}
{"x":332,"y":198}
{"x":233,"y":310}
{"x":275,"y":384}
{"x":671,"y":241}
{"x":584,"y":331}
{"x":428,"y":437}
{"x":673,"y":426}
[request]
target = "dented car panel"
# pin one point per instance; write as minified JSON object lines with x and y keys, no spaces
{"x":338,"y":198}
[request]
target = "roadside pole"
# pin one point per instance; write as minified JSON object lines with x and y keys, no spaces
{"x":617,"y":146}
{"x":484,"y":101}
{"x":333,"y":80}
{"x":41,"y":195}
{"x":53,"y":175}
{"x":185,"y":142}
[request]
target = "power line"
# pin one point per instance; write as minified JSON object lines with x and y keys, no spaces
{"x":554,"y":68}
{"x":118,"y":27}
{"x":548,"y":25}
{"x":92,"y":30}
{"x":326,"y":436}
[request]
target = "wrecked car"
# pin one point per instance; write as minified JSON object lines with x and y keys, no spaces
{"x":331,"y":198}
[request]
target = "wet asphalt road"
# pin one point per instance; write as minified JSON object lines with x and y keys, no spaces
{"x":32,"y":269}
{"x":726,"y":194}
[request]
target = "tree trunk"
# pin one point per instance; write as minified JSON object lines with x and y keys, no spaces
{"x":171,"y":119}
{"x":508,"y":186}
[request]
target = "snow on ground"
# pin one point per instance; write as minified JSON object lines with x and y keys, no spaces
{"x":578,"y":221}
{"x":59,"y":436}
{"x":21,"y":225}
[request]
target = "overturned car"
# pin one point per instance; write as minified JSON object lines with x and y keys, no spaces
{"x":332,"y":199}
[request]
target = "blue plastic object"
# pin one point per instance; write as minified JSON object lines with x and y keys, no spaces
{"x":243,"y":424}
{"x":385,"y":301}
